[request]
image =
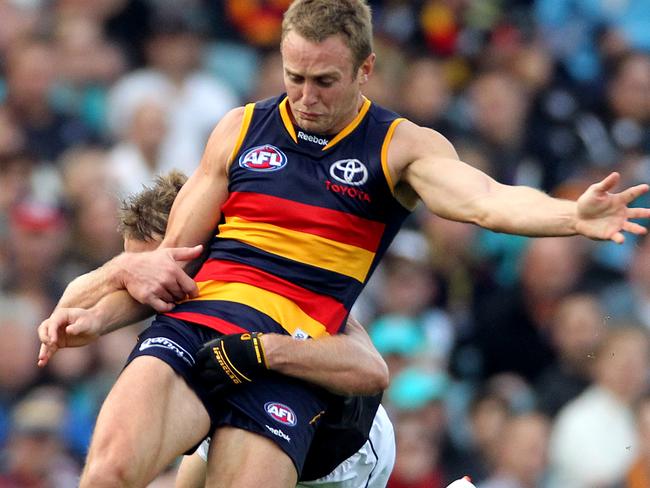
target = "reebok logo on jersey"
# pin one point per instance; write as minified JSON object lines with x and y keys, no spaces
{"x":263,"y":158}
{"x":165,"y":343}
{"x":313,"y":139}
{"x":280,"y":413}
{"x":278,"y":432}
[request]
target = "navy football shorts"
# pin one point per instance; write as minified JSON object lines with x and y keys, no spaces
{"x":280,"y":408}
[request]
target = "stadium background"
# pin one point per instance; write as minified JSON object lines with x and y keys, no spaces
{"x":521,"y":362}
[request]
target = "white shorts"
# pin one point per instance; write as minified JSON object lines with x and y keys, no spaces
{"x":369,"y":467}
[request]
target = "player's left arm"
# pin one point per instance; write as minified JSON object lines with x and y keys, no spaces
{"x":344,"y":363}
{"x":427,"y":163}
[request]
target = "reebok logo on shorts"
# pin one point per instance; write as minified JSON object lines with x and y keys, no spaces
{"x":165,"y":343}
{"x":278,"y":432}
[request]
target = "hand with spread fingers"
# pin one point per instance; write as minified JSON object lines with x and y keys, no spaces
{"x":604,"y":215}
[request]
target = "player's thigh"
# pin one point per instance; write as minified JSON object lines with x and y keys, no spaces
{"x":243,"y":459}
{"x":150,"y":416}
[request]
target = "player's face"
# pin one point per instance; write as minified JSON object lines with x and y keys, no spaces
{"x":324,"y":93}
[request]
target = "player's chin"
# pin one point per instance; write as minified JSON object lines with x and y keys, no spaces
{"x":314,"y":125}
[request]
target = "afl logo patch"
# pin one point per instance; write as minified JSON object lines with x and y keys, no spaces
{"x":349,"y":171}
{"x":280,"y":413}
{"x":263,"y":158}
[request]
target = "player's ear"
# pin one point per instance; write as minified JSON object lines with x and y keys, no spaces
{"x":366,"y":68}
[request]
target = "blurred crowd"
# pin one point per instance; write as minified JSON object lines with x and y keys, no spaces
{"x":522,"y":362}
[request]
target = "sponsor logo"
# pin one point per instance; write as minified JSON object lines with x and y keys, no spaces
{"x":349,"y":172}
{"x":280,"y":413}
{"x":348,"y":191}
{"x":263,"y":158}
{"x":165,"y":343}
{"x":311,"y":138}
{"x":278,"y":432}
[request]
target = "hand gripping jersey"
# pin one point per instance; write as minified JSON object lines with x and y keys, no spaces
{"x":307,"y":219}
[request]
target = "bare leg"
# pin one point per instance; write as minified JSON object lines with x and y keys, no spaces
{"x":150,"y":417}
{"x":242,"y":459}
{"x":191,"y":472}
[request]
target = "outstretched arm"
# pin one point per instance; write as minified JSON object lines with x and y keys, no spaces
{"x":427,"y":163}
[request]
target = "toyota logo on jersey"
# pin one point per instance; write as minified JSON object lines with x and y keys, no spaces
{"x":349,"y":171}
{"x":280,"y":413}
{"x":263,"y":158}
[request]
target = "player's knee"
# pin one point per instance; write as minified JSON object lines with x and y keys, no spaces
{"x":100,"y":474}
{"x":111,"y":466}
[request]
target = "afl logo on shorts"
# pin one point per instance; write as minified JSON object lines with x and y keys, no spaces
{"x":263,"y":158}
{"x":349,"y":172}
{"x":280,"y":413}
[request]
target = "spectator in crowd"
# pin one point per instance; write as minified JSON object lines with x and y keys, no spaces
{"x":415,"y":400}
{"x":194,"y":99}
{"x":576,"y":330}
{"x":35,"y":456}
{"x":425,"y":95}
{"x":88,"y":65}
{"x":413,"y":311}
{"x":487,"y":415}
{"x":136,"y":159}
{"x":594,"y":440}
{"x":17,"y":375}
{"x":498,"y":109}
{"x":521,"y":459}
{"x":513,"y":324}
{"x":628,"y":300}
{"x":37,"y":241}
{"x":638,"y":476}
{"x":30,"y":77}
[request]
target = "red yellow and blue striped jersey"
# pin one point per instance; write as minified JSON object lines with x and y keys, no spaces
{"x":306,"y":222}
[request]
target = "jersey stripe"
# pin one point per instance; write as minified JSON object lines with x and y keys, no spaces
{"x":246,"y":121}
{"x":352,"y":125}
{"x":348,"y":228}
{"x":322,"y":308}
{"x":384,"y":153}
{"x":214,"y":322}
{"x":297,"y":246}
{"x":279,"y":308}
{"x":286,"y":120}
{"x":229,"y":315}
{"x":320,"y":281}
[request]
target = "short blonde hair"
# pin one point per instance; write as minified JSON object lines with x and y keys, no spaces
{"x":144,"y":215}
{"x":317,"y":20}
